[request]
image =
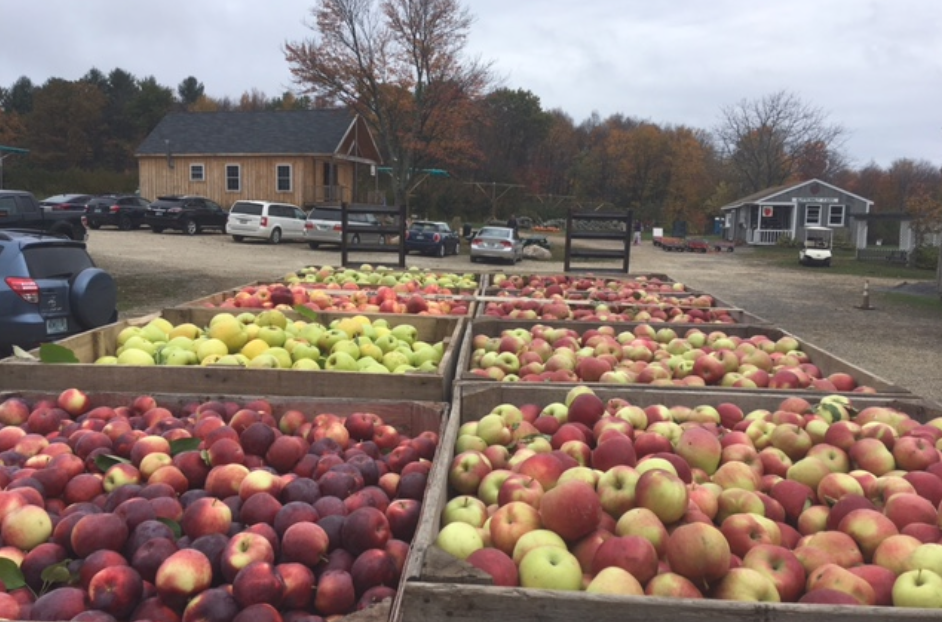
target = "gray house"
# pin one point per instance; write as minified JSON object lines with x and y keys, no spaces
{"x":764,"y":217}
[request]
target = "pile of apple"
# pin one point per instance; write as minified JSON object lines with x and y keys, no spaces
{"x":269,"y":340}
{"x":219,"y":512}
{"x":650,"y":355}
{"x":558,"y":308}
{"x":583,"y":284}
{"x":814,"y":503}
{"x":369,"y":277}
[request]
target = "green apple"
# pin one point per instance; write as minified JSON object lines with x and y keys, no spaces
{"x":428,"y":353}
{"x":370,"y":349}
{"x":465,"y":509}
{"x":535,"y":539}
{"x":329,"y":338}
{"x":341,"y":361}
{"x":132,"y":356}
{"x":178,"y":356}
{"x":918,"y":588}
{"x":346,"y":345}
{"x":127,"y":333}
{"x":305,"y":351}
{"x":306,"y":364}
{"x":405,"y":332}
{"x":403,"y":369}
{"x":274,"y":336}
{"x":153,"y":333}
{"x":211,"y":346}
{"x":106,"y":360}
{"x":459,"y":539}
{"x":272,"y":317}
{"x":428,"y":367}
{"x":394,"y":359}
{"x":264,"y":361}
{"x":311,"y":333}
{"x":139,"y":342}
{"x":550,"y":568}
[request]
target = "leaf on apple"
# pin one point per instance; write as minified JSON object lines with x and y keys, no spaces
{"x":11,"y":575}
{"x":55,"y":574}
{"x":306,"y":313}
{"x":106,"y":461}
{"x":174,"y":527}
{"x":54,"y":353}
{"x":184,"y":444}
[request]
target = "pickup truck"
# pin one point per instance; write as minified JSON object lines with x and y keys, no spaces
{"x":21,"y":210}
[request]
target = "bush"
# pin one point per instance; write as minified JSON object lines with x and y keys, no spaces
{"x":926,"y":257}
{"x":787,"y":241}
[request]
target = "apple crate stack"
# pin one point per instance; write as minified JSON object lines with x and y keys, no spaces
{"x":209,"y":506}
{"x":335,"y":375}
{"x":610,"y":504}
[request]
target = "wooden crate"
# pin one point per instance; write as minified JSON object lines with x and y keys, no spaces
{"x":828,"y":363}
{"x":440,"y":587}
{"x":409,"y":417}
{"x":90,"y":345}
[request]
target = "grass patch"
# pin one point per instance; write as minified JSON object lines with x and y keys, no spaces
{"x":843,"y":262}
{"x":929,"y":304}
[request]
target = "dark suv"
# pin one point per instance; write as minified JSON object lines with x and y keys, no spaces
{"x":189,"y":214}
{"x":124,"y":211}
{"x":49,"y":289}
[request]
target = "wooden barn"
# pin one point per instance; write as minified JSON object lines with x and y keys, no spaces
{"x":304,"y":157}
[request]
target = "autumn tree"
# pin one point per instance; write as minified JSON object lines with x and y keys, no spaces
{"x":66,"y":119}
{"x":400,"y":65}
{"x":768,"y":139}
{"x":512,"y":126}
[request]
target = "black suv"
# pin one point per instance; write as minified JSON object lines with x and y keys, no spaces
{"x":49,"y":289}
{"x":124,"y":211}
{"x":189,"y":214}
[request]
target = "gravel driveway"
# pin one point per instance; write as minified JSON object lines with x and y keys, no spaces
{"x":901,"y":343}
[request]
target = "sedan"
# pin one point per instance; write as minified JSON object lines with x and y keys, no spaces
{"x":432,"y":238}
{"x":497,"y":243}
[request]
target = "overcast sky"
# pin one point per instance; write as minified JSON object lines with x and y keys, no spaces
{"x":874,"y":65}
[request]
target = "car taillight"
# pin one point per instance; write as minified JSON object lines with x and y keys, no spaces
{"x":264,"y":221}
{"x":27,"y":289}
{"x":114,"y":208}
{"x":505,"y":244}
{"x":308,"y":225}
{"x":477,"y":242}
{"x":85,"y":221}
{"x":338,"y":228}
{"x":436,"y":238}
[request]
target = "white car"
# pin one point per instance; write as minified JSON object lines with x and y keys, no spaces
{"x":501,"y":243}
{"x":264,"y":220}
{"x":323,"y":227}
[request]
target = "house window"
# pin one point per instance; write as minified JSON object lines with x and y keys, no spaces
{"x":283,"y":178}
{"x":812,"y":215}
{"x":233,"y":178}
{"x":836,"y":216}
{"x":197,"y":172}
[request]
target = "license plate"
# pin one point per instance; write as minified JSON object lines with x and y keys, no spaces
{"x":243,"y":221}
{"x":57,"y":325}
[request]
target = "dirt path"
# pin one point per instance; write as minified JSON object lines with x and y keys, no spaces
{"x":901,"y":343}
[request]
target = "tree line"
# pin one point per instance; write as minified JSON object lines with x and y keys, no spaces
{"x":401,"y":65}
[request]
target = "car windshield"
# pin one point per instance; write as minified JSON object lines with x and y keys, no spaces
{"x":244,"y":207}
{"x":427,"y":227}
{"x":495,"y":232}
{"x":55,"y":261}
{"x":324,"y":214}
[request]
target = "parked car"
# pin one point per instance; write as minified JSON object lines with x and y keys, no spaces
{"x":20,"y":210}
{"x":502,"y":243}
{"x":65,"y":202}
{"x":190,"y":214}
{"x":432,"y":238}
{"x":268,"y":221}
{"x":49,"y":289}
{"x":323,"y":227}
{"x":124,"y":211}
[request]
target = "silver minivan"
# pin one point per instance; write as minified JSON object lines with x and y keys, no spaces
{"x":268,"y":221}
{"x":323,"y":227}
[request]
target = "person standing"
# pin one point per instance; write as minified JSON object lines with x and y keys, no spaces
{"x":512,"y":223}
{"x":638,"y":229}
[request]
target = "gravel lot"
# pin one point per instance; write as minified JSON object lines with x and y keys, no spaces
{"x":900,"y":342}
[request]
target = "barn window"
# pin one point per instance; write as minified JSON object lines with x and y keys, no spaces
{"x":233,"y":178}
{"x":197,"y":172}
{"x":836,"y":216}
{"x":812,"y":215}
{"x":283,"y":178}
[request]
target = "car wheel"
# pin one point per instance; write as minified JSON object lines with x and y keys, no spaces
{"x":190,"y":227}
{"x":275,"y":236}
{"x":157,"y":229}
{"x":238,"y":238}
{"x":474,"y":259}
{"x":827,"y":263}
{"x":93,"y":297}
{"x":94,"y":225}
{"x":124,"y":223}
{"x":313,"y":245}
{"x":440,"y":251}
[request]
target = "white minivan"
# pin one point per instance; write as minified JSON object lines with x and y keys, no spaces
{"x":269,"y":221}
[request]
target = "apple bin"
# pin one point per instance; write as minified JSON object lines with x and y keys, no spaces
{"x":649,"y":355}
{"x":141,"y":505}
{"x":683,"y":544}
{"x":89,"y":347}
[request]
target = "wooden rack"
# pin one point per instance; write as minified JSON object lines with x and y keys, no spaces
{"x":622,"y":253}
{"x":398,"y":229}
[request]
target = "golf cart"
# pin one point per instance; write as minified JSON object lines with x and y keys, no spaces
{"x":816,"y":250}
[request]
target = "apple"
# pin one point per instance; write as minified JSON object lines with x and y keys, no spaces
{"x":746,"y":584}
{"x":663,"y":493}
{"x":572,"y":509}
{"x":459,"y":539}
{"x":918,"y":588}
{"x":634,"y":554}
{"x":552,"y":568}
{"x":671,"y":585}
{"x":835,"y":577}
{"x":698,"y":552}
{"x":616,"y":581}
{"x":511,"y":521}
{"x":496,"y":563}
{"x":781,"y":565}
{"x":183,"y":575}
